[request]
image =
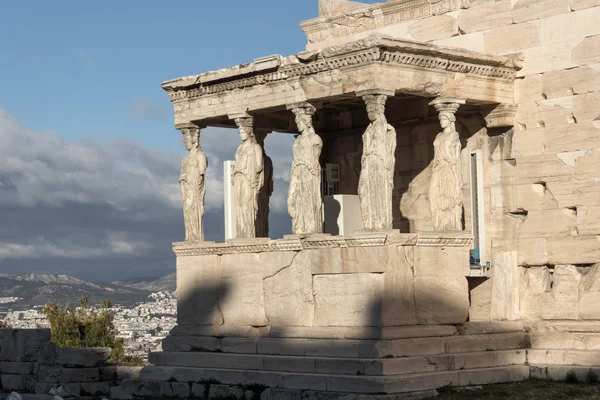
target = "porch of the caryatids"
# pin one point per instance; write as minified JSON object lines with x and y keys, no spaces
{"x":445,"y":191}
{"x":193,"y":184}
{"x":265,"y":192}
{"x":305,"y":204}
{"x":248,"y":178}
{"x":376,"y":181}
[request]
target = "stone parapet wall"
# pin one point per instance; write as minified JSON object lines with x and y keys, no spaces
{"x":30,"y":363}
{"x":388,"y":279}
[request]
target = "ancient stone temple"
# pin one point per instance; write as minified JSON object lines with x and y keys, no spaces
{"x":470,"y":134}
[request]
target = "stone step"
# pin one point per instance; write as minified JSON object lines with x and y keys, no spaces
{"x":565,"y":340}
{"x":343,"y":348}
{"x":341,"y":332}
{"x":563,"y":357}
{"x":330,"y":382}
{"x":341,"y":366}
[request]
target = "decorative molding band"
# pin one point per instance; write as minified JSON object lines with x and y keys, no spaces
{"x":323,"y":243}
{"x":445,"y":241}
{"x":188,"y":249}
{"x":375,"y":49}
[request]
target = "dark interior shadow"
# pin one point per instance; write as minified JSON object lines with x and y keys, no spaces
{"x":332,"y":213}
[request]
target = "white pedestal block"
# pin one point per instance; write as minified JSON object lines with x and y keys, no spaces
{"x":342,"y":214}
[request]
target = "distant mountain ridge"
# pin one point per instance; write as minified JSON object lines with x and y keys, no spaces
{"x":167,"y":283}
{"x":37,"y":290}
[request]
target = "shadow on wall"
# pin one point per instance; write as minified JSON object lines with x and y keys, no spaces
{"x":411,"y":182}
{"x":338,"y":309}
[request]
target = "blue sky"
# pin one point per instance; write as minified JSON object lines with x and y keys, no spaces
{"x":93,"y":69}
{"x":89,"y":158}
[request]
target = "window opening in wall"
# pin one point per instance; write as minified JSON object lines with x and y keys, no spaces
{"x":479,"y":264}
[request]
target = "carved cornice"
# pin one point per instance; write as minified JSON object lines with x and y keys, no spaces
{"x":374,"y":49}
{"x":187,"y":249}
{"x":501,"y":115}
{"x":377,"y":16}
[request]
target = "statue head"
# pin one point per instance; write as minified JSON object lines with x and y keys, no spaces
{"x":375,"y":106}
{"x":446,"y":114}
{"x":447,"y":119}
{"x":191,"y":137}
{"x":304,"y":117}
{"x":245,"y":128}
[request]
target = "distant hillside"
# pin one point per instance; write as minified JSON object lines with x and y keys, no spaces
{"x":37,"y":290}
{"x":167,"y":283}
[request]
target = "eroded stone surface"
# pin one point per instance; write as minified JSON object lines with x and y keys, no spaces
{"x":441,"y":301}
{"x":289,"y":297}
{"x":348,"y":300}
{"x":241,"y":298}
{"x":22,"y":345}
{"x":550,"y":294}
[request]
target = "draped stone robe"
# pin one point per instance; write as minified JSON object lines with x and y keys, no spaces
{"x":193,"y":190}
{"x":248,"y":179}
{"x":264,"y":198}
{"x":304,"y":198}
{"x":445,"y":193}
{"x":376,"y":181}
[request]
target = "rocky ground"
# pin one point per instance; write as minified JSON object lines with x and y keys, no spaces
{"x":527,"y":390}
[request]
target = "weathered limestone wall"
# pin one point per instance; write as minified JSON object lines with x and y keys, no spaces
{"x":29,"y":363}
{"x":375,"y":281}
{"x":543,"y":184}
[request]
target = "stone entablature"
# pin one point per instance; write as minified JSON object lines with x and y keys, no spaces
{"x":377,"y":15}
{"x":262,"y":245}
{"x":373,"y":62}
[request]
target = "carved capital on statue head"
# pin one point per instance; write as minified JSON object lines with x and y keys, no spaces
{"x":447,"y":108}
{"x":302,"y":108}
{"x":444,"y":105}
{"x":376,"y":92}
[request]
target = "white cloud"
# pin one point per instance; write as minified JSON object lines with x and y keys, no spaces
{"x":95,"y":202}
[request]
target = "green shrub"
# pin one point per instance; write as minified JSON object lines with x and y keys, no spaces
{"x":4,"y":325}
{"x":85,"y":327}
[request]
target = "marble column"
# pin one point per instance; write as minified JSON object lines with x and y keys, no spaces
{"x":305,"y":204}
{"x":193,"y":184}
{"x":265,"y":192}
{"x":376,"y":181}
{"x":445,"y":191}
{"x":248,"y":178}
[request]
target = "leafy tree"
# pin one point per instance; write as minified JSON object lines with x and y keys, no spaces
{"x":85,"y":327}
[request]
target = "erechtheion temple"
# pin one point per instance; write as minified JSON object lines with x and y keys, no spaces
{"x":469,"y":135}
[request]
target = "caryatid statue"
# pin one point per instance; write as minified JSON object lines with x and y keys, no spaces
{"x":265,"y":192}
{"x":193,"y":184}
{"x":445,"y":191}
{"x":248,"y":179}
{"x":304,"y":198}
{"x":376,"y":181}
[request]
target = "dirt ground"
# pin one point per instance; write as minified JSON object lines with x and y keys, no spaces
{"x":527,"y":390}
